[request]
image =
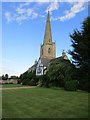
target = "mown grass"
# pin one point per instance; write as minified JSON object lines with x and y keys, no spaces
{"x":44,"y":103}
{"x":11,"y":85}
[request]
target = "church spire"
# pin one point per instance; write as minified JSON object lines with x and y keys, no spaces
{"x":48,"y":34}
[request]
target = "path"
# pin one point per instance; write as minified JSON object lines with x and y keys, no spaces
{"x":17,"y":88}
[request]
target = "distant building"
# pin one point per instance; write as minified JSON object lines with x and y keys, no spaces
{"x":47,"y":51}
{"x":8,"y":81}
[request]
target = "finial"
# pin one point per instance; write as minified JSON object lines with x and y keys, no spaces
{"x":64,"y":51}
{"x":48,"y":18}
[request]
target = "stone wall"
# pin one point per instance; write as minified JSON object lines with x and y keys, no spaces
{"x":8,"y":81}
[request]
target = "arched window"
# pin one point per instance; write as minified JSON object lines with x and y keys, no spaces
{"x":49,"y":50}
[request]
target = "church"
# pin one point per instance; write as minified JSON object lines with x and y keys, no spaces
{"x":47,"y":51}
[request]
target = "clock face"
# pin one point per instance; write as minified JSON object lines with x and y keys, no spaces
{"x":39,"y":70}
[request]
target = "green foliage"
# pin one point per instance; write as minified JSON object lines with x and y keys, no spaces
{"x":43,"y":81}
{"x":14,"y":77}
{"x":59,"y":72}
{"x":31,"y":82}
{"x":28,"y":78}
{"x":5,"y":77}
{"x":71,"y":85}
{"x":0,"y":77}
{"x":81,"y":48}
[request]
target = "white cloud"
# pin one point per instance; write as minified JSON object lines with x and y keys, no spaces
{"x":25,"y":12}
{"x":20,"y":10}
{"x":53,"y":6}
{"x":44,"y":0}
{"x":21,"y":18}
{"x":21,"y":13}
{"x":5,"y":70}
{"x":24,"y":4}
{"x":8,"y":17}
{"x":76,"y":8}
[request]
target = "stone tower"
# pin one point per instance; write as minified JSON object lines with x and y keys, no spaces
{"x":48,"y":48}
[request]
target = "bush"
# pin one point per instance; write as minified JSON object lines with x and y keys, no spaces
{"x":11,"y":83}
{"x":6,"y":83}
{"x":28,"y":78}
{"x":19,"y":81}
{"x":71,"y":85}
{"x":43,"y":81}
{"x":85,"y":85}
{"x":32,"y":82}
{"x":59,"y":71}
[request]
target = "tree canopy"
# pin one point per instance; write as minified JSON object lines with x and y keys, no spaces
{"x":59,"y":71}
{"x":81,"y":48}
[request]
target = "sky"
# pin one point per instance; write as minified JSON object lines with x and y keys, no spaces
{"x":23,"y":27}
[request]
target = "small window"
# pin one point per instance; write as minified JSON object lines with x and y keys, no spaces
{"x":42,"y":51}
{"x":49,"y":40}
{"x":49,"y":50}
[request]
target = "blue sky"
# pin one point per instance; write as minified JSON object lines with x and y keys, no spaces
{"x":23,"y":27}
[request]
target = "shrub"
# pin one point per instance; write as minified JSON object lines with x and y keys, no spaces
{"x":28,"y":78}
{"x":59,"y":71}
{"x":25,"y":82}
{"x":85,"y":85}
{"x":6,"y":83}
{"x":32,"y":82}
{"x":43,"y":81}
{"x":19,"y":81}
{"x":71,"y":85}
{"x":11,"y":83}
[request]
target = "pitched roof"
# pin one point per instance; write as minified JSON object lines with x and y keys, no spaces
{"x":59,"y":59}
{"x":45,"y":61}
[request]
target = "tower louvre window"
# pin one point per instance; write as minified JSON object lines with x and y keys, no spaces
{"x":49,"y":50}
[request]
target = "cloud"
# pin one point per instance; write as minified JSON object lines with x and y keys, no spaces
{"x":24,"y":4}
{"x":8,"y":16}
{"x":76,"y":8}
{"x":53,"y":6}
{"x":5,"y":70}
{"x":25,"y":11}
{"x":43,"y":1}
{"x":21,"y":13}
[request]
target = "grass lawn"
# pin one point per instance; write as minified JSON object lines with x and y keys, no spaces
{"x":11,"y":85}
{"x":44,"y":103}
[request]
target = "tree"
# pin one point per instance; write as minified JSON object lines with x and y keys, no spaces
{"x":2,"y":77}
{"x":28,"y":78}
{"x":60,"y":71}
{"x":13,"y":77}
{"x":5,"y":77}
{"x":81,"y":48}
